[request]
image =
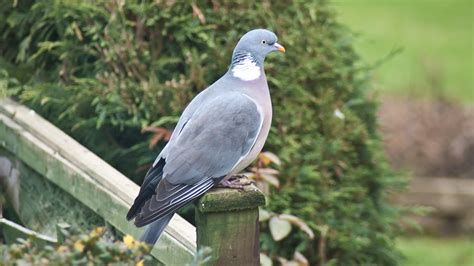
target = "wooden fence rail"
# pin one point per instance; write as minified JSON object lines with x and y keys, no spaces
{"x":451,"y":201}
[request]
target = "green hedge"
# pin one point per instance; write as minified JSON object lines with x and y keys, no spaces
{"x":104,"y":70}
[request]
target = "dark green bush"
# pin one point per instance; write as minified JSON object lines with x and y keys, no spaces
{"x":105,"y":70}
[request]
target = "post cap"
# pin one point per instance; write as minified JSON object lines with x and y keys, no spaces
{"x":230,"y":199}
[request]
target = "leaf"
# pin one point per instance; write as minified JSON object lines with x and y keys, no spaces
{"x":263,"y":215}
{"x":165,"y":120}
{"x":298,"y":222}
{"x":269,"y":171}
{"x":198,"y":13}
{"x":323,"y":229}
{"x":79,"y":246}
{"x":77,"y":31}
{"x":97,"y":231}
{"x":279,"y":228}
{"x":273,"y":180}
{"x":44,"y":100}
{"x":265,"y":260}
{"x":130,"y":242}
{"x":268,"y":157}
{"x":264,"y":159}
{"x":62,"y":249}
{"x":339,"y":114}
{"x":301,"y":259}
{"x":159,"y":133}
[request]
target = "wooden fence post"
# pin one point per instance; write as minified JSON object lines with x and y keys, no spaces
{"x":227,"y":222}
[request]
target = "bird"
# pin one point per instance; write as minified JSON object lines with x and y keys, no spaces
{"x":220,"y":132}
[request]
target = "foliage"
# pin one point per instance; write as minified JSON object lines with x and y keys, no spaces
{"x":104,"y":71}
{"x":78,"y":249}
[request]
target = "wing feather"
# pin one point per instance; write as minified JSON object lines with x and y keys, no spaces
{"x":159,"y":207}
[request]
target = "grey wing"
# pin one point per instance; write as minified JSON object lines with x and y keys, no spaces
{"x":211,"y":143}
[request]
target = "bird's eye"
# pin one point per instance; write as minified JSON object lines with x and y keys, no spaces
{"x":264,"y":42}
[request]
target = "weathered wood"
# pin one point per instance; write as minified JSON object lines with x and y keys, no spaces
{"x":452,"y":200}
{"x":227,"y":222}
{"x":449,"y":196}
{"x":12,"y":231}
{"x":64,"y":162}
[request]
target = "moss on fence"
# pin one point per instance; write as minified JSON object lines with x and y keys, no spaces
{"x":104,"y":71}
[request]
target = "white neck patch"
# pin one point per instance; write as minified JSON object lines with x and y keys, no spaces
{"x":246,"y":69}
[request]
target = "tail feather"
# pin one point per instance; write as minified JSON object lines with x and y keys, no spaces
{"x":154,"y":230}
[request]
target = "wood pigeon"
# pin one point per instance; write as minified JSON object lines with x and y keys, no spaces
{"x":220,"y":132}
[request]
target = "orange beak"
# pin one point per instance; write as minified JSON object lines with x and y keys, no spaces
{"x":279,"y":47}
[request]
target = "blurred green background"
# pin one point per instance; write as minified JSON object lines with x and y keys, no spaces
{"x":435,"y":38}
{"x":433,"y":41}
{"x":435,"y":251}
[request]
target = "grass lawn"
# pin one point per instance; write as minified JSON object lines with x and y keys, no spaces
{"x":436,"y":37}
{"x":430,"y":251}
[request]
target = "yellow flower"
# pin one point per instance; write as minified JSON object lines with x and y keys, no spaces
{"x":97,"y":231}
{"x":140,"y":263}
{"x":79,"y":246}
{"x":62,"y":248}
{"x":130,"y":242}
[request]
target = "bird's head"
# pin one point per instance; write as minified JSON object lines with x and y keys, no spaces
{"x":258,"y":43}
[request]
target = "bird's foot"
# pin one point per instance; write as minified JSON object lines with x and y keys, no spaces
{"x":237,"y":177}
{"x":236,"y":182}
